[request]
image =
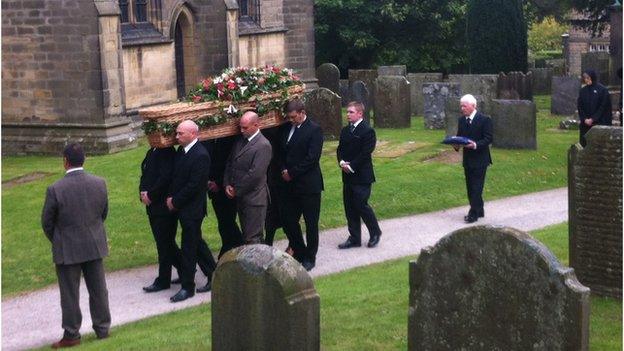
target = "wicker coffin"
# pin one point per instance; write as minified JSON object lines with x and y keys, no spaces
{"x":181,"y":111}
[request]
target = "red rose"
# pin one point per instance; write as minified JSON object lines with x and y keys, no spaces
{"x":261,"y":81}
{"x":231,"y":85}
{"x":206,"y":83}
{"x":276,"y":70}
{"x":197,"y":98}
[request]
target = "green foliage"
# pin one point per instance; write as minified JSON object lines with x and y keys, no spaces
{"x":424,"y":35}
{"x":546,"y":35}
{"x":497,"y":36}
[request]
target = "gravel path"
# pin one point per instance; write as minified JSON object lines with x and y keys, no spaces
{"x":34,"y":319}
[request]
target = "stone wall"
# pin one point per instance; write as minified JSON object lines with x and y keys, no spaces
{"x":299,"y":42}
{"x":595,"y":210}
{"x":262,"y":49}
{"x":148,"y":76}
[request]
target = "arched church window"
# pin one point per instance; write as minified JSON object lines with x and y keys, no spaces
{"x":249,"y":10}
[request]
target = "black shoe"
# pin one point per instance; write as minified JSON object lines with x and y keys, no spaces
{"x":308,"y":265}
{"x":154,"y":288}
{"x":470,"y":219}
{"x":182,"y":295}
{"x":205,"y":288}
{"x":176,"y":281}
{"x":374,"y":240}
{"x":481,"y":215}
{"x":349,"y":244}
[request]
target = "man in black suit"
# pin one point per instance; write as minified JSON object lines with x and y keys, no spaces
{"x":187,"y":197}
{"x":355,"y":149}
{"x":300,"y":151}
{"x":224,"y":207}
{"x":476,"y":155}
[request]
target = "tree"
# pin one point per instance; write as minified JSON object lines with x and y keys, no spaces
{"x":496,"y":34}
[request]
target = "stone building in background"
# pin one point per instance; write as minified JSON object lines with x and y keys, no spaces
{"x":579,"y":41}
{"x":80,"y":69}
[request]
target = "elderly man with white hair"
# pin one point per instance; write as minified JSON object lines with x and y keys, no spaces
{"x":477,"y":127}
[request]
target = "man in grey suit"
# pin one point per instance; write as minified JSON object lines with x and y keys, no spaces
{"x":73,"y":219}
{"x":245,"y":177}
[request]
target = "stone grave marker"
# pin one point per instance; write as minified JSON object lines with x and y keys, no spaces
{"x":435,"y":96}
{"x":542,"y":79}
{"x":367,"y":76}
{"x":494,"y":288}
{"x":514,"y":123}
{"x":392,"y":97}
{"x":360,"y":93}
{"x":484,"y":85}
{"x":328,"y":76}
{"x":396,"y":70}
{"x":324,"y":107}
{"x":345,"y":91}
{"x":595,"y":210}
{"x":262,"y":299}
{"x":515,"y":86}
{"x":599,"y":62}
{"x":565,"y":90}
{"x":416,"y":81}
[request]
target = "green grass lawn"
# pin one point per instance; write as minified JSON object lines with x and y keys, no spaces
{"x":362,"y":309}
{"x":410,"y":181}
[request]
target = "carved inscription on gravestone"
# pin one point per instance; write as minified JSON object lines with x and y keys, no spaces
{"x":324,"y":107}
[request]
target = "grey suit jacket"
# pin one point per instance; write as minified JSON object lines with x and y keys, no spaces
{"x":246,"y":170}
{"x":73,"y":218}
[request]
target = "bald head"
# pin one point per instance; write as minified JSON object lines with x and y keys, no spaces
{"x":249,"y":124}
{"x":186,"y":132}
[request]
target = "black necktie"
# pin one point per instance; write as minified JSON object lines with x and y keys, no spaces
{"x":351,"y":127}
{"x":469,"y":121}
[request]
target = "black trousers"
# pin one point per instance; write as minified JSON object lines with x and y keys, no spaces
{"x":164,"y":230}
{"x":194,"y":249}
{"x":225,"y":211}
{"x":355,"y":198}
{"x":293,"y":207}
{"x":475,"y":179}
{"x":69,"y":286}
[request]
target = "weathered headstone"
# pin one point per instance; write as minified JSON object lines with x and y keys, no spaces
{"x":495,"y":288}
{"x":515,"y":86}
{"x":345,"y":91}
{"x":392,"y":98}
{"x":367,"y":76}
{"x":558,"y":66}
{"x":565,"y":91}
{"x":452,"y":112}
{"x":262,"y":299}
{"x":599,"y":62}
{"x":595,"y":210}
{"x":542,"y":79}
{"x":416,"y":81}
{"x":514,"y":123}
{"x":435,"y":96}
{"x":476,"y":84}
{"x":360,"y":93}
{"x":396,"y":70}
{"x":324,"y":107}
{"x":328,"y":76}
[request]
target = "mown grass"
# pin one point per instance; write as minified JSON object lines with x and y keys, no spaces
{"x":362,"y":309}
{"x":406,"y":184}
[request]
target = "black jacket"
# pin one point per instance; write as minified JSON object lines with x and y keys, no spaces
{"x":190,"y":178}
{"x":479,"y":131}
{"x":156,"y":173}
{"x":357,"y":148}
{"x":594,"y":102}
{"x":301,"y":157}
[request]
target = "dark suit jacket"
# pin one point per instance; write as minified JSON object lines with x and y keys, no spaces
{"x":246,"y":170}
{"x":190,"y":178}
{"x":301,"y":157}
{"x":156,"y":174}
{"x":73,"y":218}
{"x":219,"y":150}
{"x":357,"y":148}
{"x":479,"y":131}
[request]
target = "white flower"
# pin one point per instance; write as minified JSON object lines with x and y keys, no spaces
{"x":242,"y":89}
{"x":230,"y":110}
{"x":217,"y":80}
{"x":239,"y":80}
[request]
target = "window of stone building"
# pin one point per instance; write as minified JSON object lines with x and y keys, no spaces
{"x":141,"y":22}
{"x":140,"y":14}
{"x":598,"y":47}
{"x":123,"y":6}
{"x":249,"y":10}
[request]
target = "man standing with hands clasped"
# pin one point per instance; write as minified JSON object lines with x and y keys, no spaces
{"x":476,"y":155}
{"x":355,"y":149}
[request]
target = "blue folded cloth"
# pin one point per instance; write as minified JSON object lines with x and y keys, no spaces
{"x":456,"y":140}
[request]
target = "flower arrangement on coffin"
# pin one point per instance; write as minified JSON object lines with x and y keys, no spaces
{"x":216,"y":103}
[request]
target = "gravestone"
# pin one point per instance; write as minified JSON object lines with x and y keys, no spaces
{"x":494,"y":288}
{"x":345,"y":92}
{"x":324,"y":107}
{"x":263,"y":299}
{"x":565,"y":90}
{"x":514,"y":123}
{"x":542,"y":79}
{"x":367,"y":76}
{"x":476,"y":84}
{"x":416,"y":81}
{"x":397,"y":70}
{"x":435,"y":96}
{"x":360,"y":93}
{"x":595,"y":210}
{"x":599,"y":62}
{"x":452,"y":112}
{"x":328,"y":76}
{"x":392,"y":98}
{"x":515,"y":86}
{"x":558,"y":66}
